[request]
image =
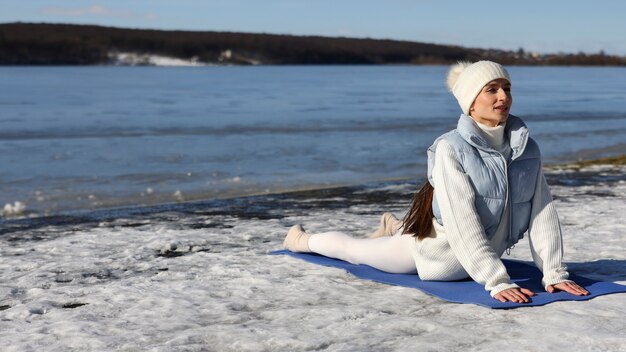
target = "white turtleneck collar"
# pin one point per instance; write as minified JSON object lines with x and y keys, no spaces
{"x":493,"y":135}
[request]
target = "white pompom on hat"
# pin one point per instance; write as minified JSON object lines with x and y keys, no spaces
{"x":465,"y":80}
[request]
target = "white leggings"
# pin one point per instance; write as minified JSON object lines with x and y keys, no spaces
{"x":392,"y":254}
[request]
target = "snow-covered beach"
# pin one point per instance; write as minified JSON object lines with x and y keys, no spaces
{"x":198,"y":277}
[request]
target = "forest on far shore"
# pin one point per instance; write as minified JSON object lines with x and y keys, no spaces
{"x":64,"y":44}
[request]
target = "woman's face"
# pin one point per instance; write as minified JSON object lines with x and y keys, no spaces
{"x":491,"y":106}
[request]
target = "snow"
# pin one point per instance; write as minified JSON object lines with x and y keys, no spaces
{"x":15,"y":209}
{"x":202,"y":281}
{"x":133,"y":59}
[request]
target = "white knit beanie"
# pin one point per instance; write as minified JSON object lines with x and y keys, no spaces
{"x":465,"y":80}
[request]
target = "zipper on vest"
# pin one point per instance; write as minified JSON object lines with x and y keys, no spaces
{"x":508,"y":203}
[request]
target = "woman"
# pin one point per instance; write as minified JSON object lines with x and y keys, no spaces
{"x":485,"y":189}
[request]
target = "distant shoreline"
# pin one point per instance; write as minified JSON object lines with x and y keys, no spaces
{"x":67,"y":44}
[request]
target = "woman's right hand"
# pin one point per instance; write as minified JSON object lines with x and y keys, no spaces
{"x":516,"y":294}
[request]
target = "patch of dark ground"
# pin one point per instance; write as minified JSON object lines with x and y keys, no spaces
{"x":584,"y":178}
{"x":73,"y":305}
{"x":103,"y":275}
{"x":611,"y":169}
{"x":218,"y":213}
{"x":194,"y":215}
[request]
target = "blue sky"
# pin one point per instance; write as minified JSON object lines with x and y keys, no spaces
{"x":540,"y":26}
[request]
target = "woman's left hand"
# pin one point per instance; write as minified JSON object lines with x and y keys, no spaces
{"x":569,"y":287}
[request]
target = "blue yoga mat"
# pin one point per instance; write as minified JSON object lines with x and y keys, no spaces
{"x":468,"y":291}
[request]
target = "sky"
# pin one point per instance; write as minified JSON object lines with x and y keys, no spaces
{"x":536,"y":26}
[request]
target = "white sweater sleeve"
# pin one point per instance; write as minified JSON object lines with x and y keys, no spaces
{"x":544,"y":233}
{"x":465,"y":233}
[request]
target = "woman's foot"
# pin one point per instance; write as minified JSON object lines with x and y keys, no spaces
{"x":389,"y":225}
{"x":297,"y":240}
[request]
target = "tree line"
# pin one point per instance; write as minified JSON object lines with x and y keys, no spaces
{"x":65,"y":44}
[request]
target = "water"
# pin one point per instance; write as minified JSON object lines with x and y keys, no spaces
{"x":90,"y":137}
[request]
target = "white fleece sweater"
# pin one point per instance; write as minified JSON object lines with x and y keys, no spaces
{"x":461,"y":248}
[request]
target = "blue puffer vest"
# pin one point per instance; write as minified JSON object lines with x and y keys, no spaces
{"x":494,"y":178}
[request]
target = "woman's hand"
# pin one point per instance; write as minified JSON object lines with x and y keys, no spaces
{"x":516,"y":294}
{"x":569,"y":287}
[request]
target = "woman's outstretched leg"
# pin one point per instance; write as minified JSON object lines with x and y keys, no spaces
{"x":392,"y":254}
